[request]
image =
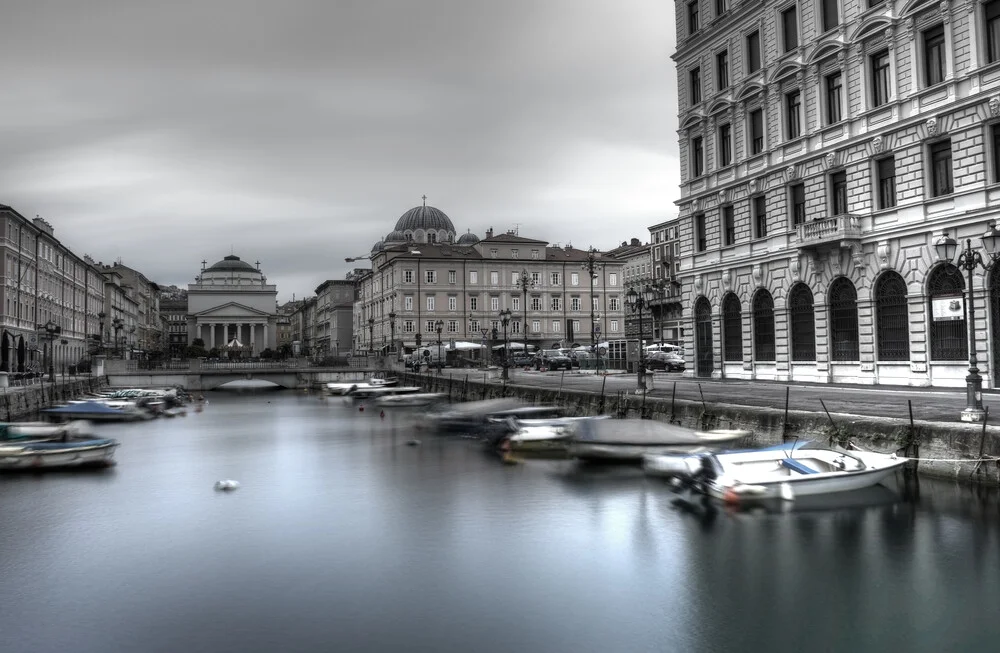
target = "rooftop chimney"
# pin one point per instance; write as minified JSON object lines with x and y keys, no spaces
{"x":635,"y":242}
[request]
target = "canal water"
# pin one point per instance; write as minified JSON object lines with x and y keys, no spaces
{"x":344,"y":538}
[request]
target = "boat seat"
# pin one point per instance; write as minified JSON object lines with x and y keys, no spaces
{"x":797,"y":466}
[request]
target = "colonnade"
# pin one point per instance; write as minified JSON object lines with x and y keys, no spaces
{"x":218,"y":334}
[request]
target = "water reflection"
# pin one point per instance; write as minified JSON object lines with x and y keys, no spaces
{"x":341,"y":532}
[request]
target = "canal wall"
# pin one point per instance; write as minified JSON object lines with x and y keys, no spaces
{"x":944,"y":450}
{"x":23,"y":402}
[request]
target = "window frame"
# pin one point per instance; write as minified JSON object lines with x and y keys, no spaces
{"x":890,"y":298}
{"x":732,"y":329}
{"x":880,"y":83}
{"x":828,"y":10}
{"x":693,"y":17}
{"x":700,"y":232}
{"x":753,"y":56}
{"x":722,"y":76}
{"x":991,"y":38}
{"x":793,"y":114}
{"x":833,"y":96}
{"x":694,"y":82}
{"x":798,"y":217}
{"x":697,"y":156}
{"x":758,"y":213}
{"x":842,"y":308}
{"x":725,"y":144}
{"x":783,"y":22}
{"x":837,"y":193}
{"x":934,"y":151}
{"x":885,"y":187}
{"x":727,"y":217}
{"x":756,"y":145}
{"x":934,"y":66}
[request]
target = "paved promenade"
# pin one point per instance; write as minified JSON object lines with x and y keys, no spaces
{"x":929,"y":404}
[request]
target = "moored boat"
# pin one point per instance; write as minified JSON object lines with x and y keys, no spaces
{"x":777,"y":473}
{"x":410,"y":400}
{"x":69,"y":448}
{"x":628,"y":440}
{"x":340,"y":388}
{"x":111,"y":411}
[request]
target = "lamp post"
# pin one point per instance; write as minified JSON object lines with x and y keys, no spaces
{"x":486,"y":333}
{"x":504,"y":321}
{"x":946,"y":248}
{"x":524,"y":283}
{"x":117,"y":324}
{"x":51,"y":330}
{"x":100,"y":323}
{"x":660,"y":291}
{"x":371,"y":334}
{"x":439,"y":326}
{"x":392,"y":329}
{"x":637,"y":301}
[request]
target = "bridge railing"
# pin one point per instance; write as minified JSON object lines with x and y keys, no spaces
{"x":199,"y":365}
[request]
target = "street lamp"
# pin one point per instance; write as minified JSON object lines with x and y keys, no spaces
{"x":100,"y":322}
{"x":117,"y":324}
{"x":504,"y":321}
{"x":371,"y":334}
{"x":637,"y":301}
{"x":51,"y":330}
{"x":969,"y":260}
{"x":486,"y":333}
{"x":392,"y":329}
{"x":438,"y":326}
{"x":660,"y":292}
{"x":524,"y":283}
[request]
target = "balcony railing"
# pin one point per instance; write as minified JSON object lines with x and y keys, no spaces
{"x":827,"y":230}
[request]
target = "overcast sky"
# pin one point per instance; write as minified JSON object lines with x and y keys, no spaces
{"x":297,"y":132}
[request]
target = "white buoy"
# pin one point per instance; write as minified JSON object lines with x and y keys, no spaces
{"x":787,"y":494}
{"x":226,"y":485}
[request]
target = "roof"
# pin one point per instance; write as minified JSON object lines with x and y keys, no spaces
{"x":512,"y":238}
{"x":433,"y":250}
{"x":426,"y":218}
{"x":231,"y":263}
{"x":569,"y":254}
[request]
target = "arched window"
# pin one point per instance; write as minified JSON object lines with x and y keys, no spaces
{"x":704,"y":362}
{"x":948,"y":336}
{"x":843,"y":300}
{"x":892,"y":322}
{"x":732,"y":328}
{"x":763,"y":326}
{"x":803,"y":323}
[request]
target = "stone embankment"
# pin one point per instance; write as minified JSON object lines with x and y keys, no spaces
{"x":23,"y":402}
{"x":965,"y":452}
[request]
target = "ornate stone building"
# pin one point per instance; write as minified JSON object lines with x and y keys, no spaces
{"x":231,"y":300}
{"x":424,"y":273}
{"x":825,"y":146}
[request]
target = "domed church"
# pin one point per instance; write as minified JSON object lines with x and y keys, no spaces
{"x":232,"y":307}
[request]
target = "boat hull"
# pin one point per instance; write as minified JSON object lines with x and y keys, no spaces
{"x":802,"y":486}
{"x":48,"y":455}
{"x":626,"y":453}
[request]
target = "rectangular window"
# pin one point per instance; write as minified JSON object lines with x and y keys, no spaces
{"x":933,"y":55}
{"x":473,"y":276}
{"x":753,"y":52}
{"x":494,"y":278}
{"x":695,"y":79}
{"x":693,"y":17}
{"x":595,"y":303}
{"x":430,"y":303}
{"x":885,"y":170}
{"x":473,"y":326}
{"x":494,"y":304}
{"x":452,"y":276}
{"x":408,"y":303}
{"x":941,"y":181}
{"x":453,"y":303}
{"x":556,"y":326}
{"x":613,"y":304}
{"x":831,"y":14}
{"x":728,"y":225}
{"x":536,"y":278}
{"x":574,"y":303}
{"x":514,"y":276}
{"x":473,"y":303}
{"x":793,"y":113}
{"x":790,"y":28}
{"x":697,"y":157}
{"x":515,"y":326}
{"x":408,"y":326}
{"x":838,"y":193}
{"x":722,"y":70}
{"x":429,"y":326}
{"x":407,"y":276}
{"x":797,"y":200}
{"x":756,"y":131}
{"x":759,"y":205}
{"x":880,"y":78}
{"x":613,"y":279}
{"x":430,"y":276}
{"x":726,"y":143}
{"x":992,"y":15}
{"x":574,"y":279}
{"x":995,"y":140}
{"x":834,"y":88}
{"x":721,"y":7}
{"x":536,"y":326}
{"x":556,"y":303}
{"x":515,"y":303}
{"x":452,"y":326}
{"x":554,"y":278}
{"x":700,"y":233}
{"x":614,"y":326}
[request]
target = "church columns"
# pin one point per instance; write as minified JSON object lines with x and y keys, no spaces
{"x":211,"y":335}
{"x":264,"y":326}
{"x":253,"y":348}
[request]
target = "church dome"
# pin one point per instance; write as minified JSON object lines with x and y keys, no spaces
{"x":231,"y":263}
{"x":395,"y":237}
{"x":426,"y":218}
{"x":377,"y":247}
{"x":468,"y":238}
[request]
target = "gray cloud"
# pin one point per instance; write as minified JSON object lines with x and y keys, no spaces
{"x":297,"y":132}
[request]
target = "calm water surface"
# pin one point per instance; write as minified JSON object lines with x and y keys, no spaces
{"x":342,"y":538}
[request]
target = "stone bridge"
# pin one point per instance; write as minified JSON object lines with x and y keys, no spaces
{"x":195,"y":375}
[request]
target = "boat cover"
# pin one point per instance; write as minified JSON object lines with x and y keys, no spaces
{"x":91,"y":407}
{"x":633,"y":432}
{"x":71,"y":444}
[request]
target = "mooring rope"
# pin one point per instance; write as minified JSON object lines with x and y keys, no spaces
{"x":981,"y":459}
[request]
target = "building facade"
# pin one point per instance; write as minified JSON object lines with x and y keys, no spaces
{"x":825,"y":147}
{"x":148,"y":338}
{"x":232,"y":307}
{"x":174,"y":312}
{"x":44,"y":284}
{"x":667,"y":307}
{"x":425,"y":277}
{"x":334,"y":332}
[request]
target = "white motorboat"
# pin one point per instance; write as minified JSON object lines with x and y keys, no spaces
{"x":33,"y":447}
{"x":410,"y":400}
{"x":338,"y":388}
{"x":364,"y":395}
{"x":538,"y":434}
{"x":628,"y":440}
{"x":776,"y":473}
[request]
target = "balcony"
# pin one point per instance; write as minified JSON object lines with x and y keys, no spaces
{"x":829,"y":231}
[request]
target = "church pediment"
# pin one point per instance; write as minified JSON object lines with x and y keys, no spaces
{"x":231,"y":310}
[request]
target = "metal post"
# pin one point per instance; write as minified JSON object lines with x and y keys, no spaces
{"x":973,"y":382}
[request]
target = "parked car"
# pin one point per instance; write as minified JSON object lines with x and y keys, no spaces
{"x":667,"y":361}
{"x":522,"y":360}
{"x":553,"y":359}
{"x":580,"y":357}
